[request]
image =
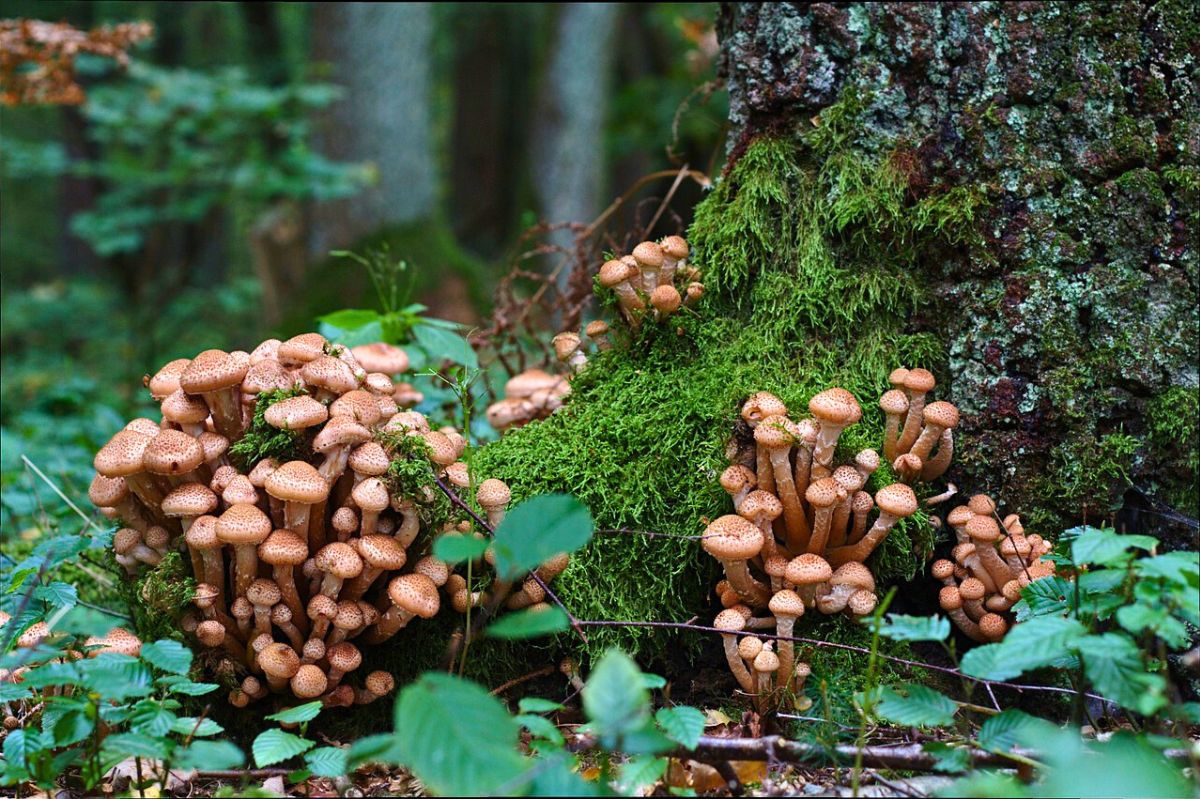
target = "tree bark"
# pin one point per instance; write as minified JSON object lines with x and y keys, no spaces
{"x":1071,"y":323}
{"x":380,"y":55}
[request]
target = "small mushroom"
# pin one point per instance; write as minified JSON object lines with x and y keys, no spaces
{"x":493,"y":496}
{"x":895,"y":406}
{"x":279,"y":663}
{"x":338,"y":562}
{"x":411,"y":595}
{"x":787,"y":606}
{"x":810,"y":574}
{"x":377,"y":685}
{"x":308,"y":682}
{"x":343,"y":658}
{"x":835,"y":409}
{"x":732,"y":540}
{"x":730,"y":623}
{"x":766,"y":665}
{"x":243,"y":527}
{"x":775,"y":443}
{"x":895,"y":502}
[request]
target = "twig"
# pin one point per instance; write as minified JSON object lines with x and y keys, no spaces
{"x":86,"y":519}
{"x":542,"y":672}
{"x":646,"y":533}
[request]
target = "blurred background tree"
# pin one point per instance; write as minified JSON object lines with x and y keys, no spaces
{"x":192,"y":199}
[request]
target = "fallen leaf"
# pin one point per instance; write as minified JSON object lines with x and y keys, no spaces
{"x":714,"y":717}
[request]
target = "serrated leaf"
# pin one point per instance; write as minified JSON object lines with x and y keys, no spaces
{"x":327,"y":761}
{"x":541,"y":727}
{"x":456,"y":737}
{"x":915,"y":706}
{"x":210,"y":755}
{"x":1010,"y":728}
{"x":442,"y":344}
{"x":132,"y":744}
{"x":115,"y":676}
{"x":1177,"y":567}
{"x":151,"y":718}
{"x":382,"y":748}
{"x":87,"y":622}
{"x":537,"y":530}
{"x":1113,"y":665}
{"x":535,"y":704}
{"x":17,"y":746}
{"x":1139,"y":617}
{"x":684,"y":725}
{"x":298,"y":714}
{"x":1106,"y":547}
{"x":72,"y":727}
{"x":554,"y":775}
{"x":182,"y":685}
{"x":169,"y":656}
{"x":1038,"y":642}
{"x":898,"y":627}
{"x":1049,"y":596}
{"x":528,"y":623}
{"x":276,"y":746}
{"x":12,"y":692}
{"x":638,"y":772}
{"x":455,"y":548}
{"x":57,"y":594}
{"x":52,"y":674}
{"x":196,"y":727}
{"x":949,"y":759}
{"x":614,"y":698}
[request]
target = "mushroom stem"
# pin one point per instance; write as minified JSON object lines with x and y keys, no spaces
{"x":838,"y":527}
{"x":245,"y":569}
{"x":929,"y":436}
{"x":936,"y":466}
{"x":863,"y":548}
{"x":284,"y":578}
{"x":795,"y":523}
{"x":295,"y":518}
{"x":821,"y":520}
{"x":822,"y":459}
{"x":749,"y":589}
{"x":740,"y":672}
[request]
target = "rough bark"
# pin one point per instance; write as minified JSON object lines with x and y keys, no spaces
{"x":380,"y":55}
{"x":1071,"y":321}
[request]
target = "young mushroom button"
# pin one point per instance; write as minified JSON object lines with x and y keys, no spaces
{"x":730,"y":623}
{"x":299,"y":486}
{"x":493,"y":496}
{"x":338,"y":562}
{"x":243,"y":527}
{"x":733,"y":540}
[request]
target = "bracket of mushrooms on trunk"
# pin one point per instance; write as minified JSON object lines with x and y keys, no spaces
{"x":302,"y":564}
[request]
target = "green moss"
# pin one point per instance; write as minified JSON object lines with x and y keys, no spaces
{"x":1175,"y":439}
{"x":159,"y":597}
{"x":262,"y":441}
{"x":1086,"y":473}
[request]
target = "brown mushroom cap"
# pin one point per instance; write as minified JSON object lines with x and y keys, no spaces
{"x":358,"y":405}
{"x":596,"y":328}
{"x":381,"y":552}
{"x":380,"y":683}
{"x":731,"y":537}
{"x":760,"y":405}
{"x":329,"y":373}
{"x":675,"y":247}
{"x":949,"y":598}
{"x":959,"y":516}
{"x":612,"y":273}
{"x":983,"y":528}
{"x":437,"y":571}
{"x":766,"y":661}
{"x":370,"y":495}
{"x":493,"y":494}
{"x":896,"y":499}
{"x":786,"y":603}
{"x":730,"y":620}
{"x":340,"y":560}
{"x":971,"y":589}
{"x":835,"y":406}
{"x":242,"y":524}
{"x":189,"y":499}
{"x":823,"y":493}
{"x":213,"y":370}
{"x":759,"y":506}
{"x":749,"y":647}
{"x":981,"y":504}
{"x":737,"y":478}
{"x":166,"y":380}
{"x":239,"y":489}
{"x":283,"y":548}
{"x":666,"y":299}
{"x":853,"y":574}
{"x":183,"y":408}
{"x":941,"y":414}
{"x":648,"y":254}
{"x":210,"y":633}
{"x":301,"y":349}
{"x":279,"y":660}
{"x":297,"y":481}
{"x":808,"y":569}
{"x":105,"y":492}
{"x":369,"y":459}
{"x":344,"y":656}
{"x":942,"y":569}
{"x":867,"y":461}
{"x":263,"y":592}
{"x":296,"y":413}
{"x":919,"y":381}
{"x":992,"y":626}
{"x":172,"y":452}
{"x":122,"y":455}
{"x":309,"y":682}
{"x":416,"y":594}
{"x":861,"y":602}
{"x":267,"y":375}
{"x":381,"y":357}
{"x":894,"y":402}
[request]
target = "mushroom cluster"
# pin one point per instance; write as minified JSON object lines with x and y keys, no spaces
{"x":301,"y":560}
{"x":800,"y":533}
{"x":919,"y":436}
{"x":654,"y":281}
{"x":532,"y":394}
{"x":992,"y":561}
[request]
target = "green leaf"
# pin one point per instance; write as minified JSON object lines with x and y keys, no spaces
{"x":211,"y":755}
{"x":327,"y":761}
{"x":132,"y":744}
{"x":298,"y":714}
{"x":614,"y":698}
{"x":1177,"y":567}
{"x":639,"y":772}
{"x":1139,"y":617}
{"x":1049,"y":596}
{"x":150,"y":717}
{"x":60,"y":595}
{"x":1113,"y":665}
{"x":653,"y":682}
{"x":554,"y":774}
{"x":382,"y":748}
{"x":87,"y":622}
{"x":442,"y":344}
{"x":1107,"y":548}
{"x":1122,"y":766}
{"x":537,"y":530}
{"x":528,"y":623}
{"x":12,"y":692}
{"x":684,"y":725}
{"x":456,"y":737}
{"x":1011,"y":728}
{"x":182,"y":685}
{"x":1038,"y":642}
{"x":457,"y":548}
{"x":196,"y":727}
{"x":535,"y":704}
{"x":169,"y":656}
{"x":276,"y":746}
{"x":541,"y":727}
{"x":949,"y":759}
{"x":914,"y":628}
{"x":915,"y":706}
{"x":18,"y":745}
{"x":115,"y":676}
{"x":72,"y":727}
{"x":349,"y":318}
{"x":52,"y":674}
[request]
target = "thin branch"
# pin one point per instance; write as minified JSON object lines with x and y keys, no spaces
{"x":502,"y":687}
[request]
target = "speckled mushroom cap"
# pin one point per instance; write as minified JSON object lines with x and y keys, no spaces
{"x":381,"y":357}
{"x":261,"y":471}
{"x":786,"y":603}
{"x":897,"y":376}
{"x":203,"y":533}
{"x":172,"y":452}
{"x":731,"y":537}
{"x":296,"y":413}
{"x":369,"y":459}
{"x":492,"y":494}
{"x":441,"y":449}
{"x":862,"y":602}
{"x":775,"y":566}
{"x":614,"y":272}
{"x":772,"y":433}
{"x":105,"y":492}
{"x":381,"y":552}
{"x":992,"y":626}
{"x":666,"y":299}
{"x":648,"y":254}
{"x":344,"y":656}
{"x":370,"y":495}
{"x":867,"y":460}
{"x":416,"y":594}
{"x":379,"y":383}
{"x":824,"y":493}
{"x":749,"y":647}
{"x":962,"y":551}
{"x":971,"y":589}
{"x":894,"y":402}
{"x":596,"y":328}
{"x":760,"y":504}
{"x":239,"y":489}
{"x":959,"y":516}
{"x":675,"y":247}
{"x":283,"y":548}
{"x":835,"y":406}
{"x":808,"y":569}
{"x":981,"y":504}
{"x":279,"y":660}
{"x":730,"y":621}
{"x":359,"y":405}
{"x":848,"y":479}
{"x":214,"y":445}
{"x":156,"y":536}
{"x":329,"y":373}
{"x":182,"y":408}
{"x":437,"y":571}
{"x":122,"y":455}
{"x":309,"y":681}
{"x":297,"y":481}
{"x":854,"y":574}
{"x":117,"y":640}
{"x":766,"y":661}
{"x":147,"y":427}
{"x":345,"y":520}
{"x":983,"y":529}
{"x":861,"y":502}
{"x":125,"y":540}
{"x":205,"y":595}
{"x":737,"y":478}
{"x":949,"y":598}
{"x":321,"y":607}
{"x":380,"y":683}
{"x":919,"y":381}
{"x":458,"y":474}
{"x":349,"y":615}
{"x":525,"y":384}
{"x":213,"y":370}
{"x":266,"y":351}
{"x":189,"y":499}
{"x":942,"y":569}
{"x":761,"y":405}
{"x":166,"y":380}
{"x":301,"y":349}
{"x":243,"y":524}
{"x":340,"y":560}
{"x":210,"y":633}
{"x":341,"y":431}
{"x":941,"y":414}
{"x":565,"y":343}
{"x":263,"y":592}
{"x":896,"y":499}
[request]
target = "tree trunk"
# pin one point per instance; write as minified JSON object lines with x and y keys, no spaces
{"x":568,"y":161}
{"x":1067,"y":134}
{"x":380,"y":55}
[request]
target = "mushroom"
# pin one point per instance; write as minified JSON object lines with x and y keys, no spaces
{"x":343,"y":658}
{"x":329,"y":376}
{"x":810,"y":574}
{"x":308,"y":682}
{"x":597,"y":331}
{"x":936,"y":466}
{"x":348,"y":618}
{"x":217,"y":376}
{"x":775,"y":566}
{"x":321,"y":610}
{"x":665,"y":301}
{"x":188,"y":502}
{"x":847,"y":579}
{"x":239,"y":489}
{"x":345,"y":523}
{"x":984,"y":533}
{"x":122,"y":457}
{"x":568,"y":350}
{"x":835,"y":409}
{"x":675,"y":252}
{"x":205,"y":548}
{"x":411,"y":595}
{"x":279,"y":663}
{"x":128,"y":542}
{"x":299,"y":486}
{"x":965,"y":554}
{"x":166,"y":380}
{"x":313,"y":651}
{"x":850,"y":481}
{"x":283,"y":550}
{"x":895,"y":405}
{"x":862,"y":603}
{"x":299,"y":350}
{"x":381,"y":357}
{"x":951,"y":602}
{"x":763,"y":509}
{"x":263,"y":594}
{"x":371,"y":497}
{"x":335,"y":441}
{"x":800,"y":675}
{"x":379,"y":553}
{"x":296,"y":413}
{"x":730,"y":623}
{"x":917,"y":383}
{"x":938,"y":416}
{"x":765,"y":667}
{"x":861,"y":505}
{"x":822,"y":496}
{"x":775,"y":443}
{"x":972,"y":592}
{"x":738,"y":481}
{"x":992,"y":627}
{"x":895,"y":502}
{"x":693,"y":293}
{"x":338,"y":562}
{"x":493,"y":496}
{"x":243,"y":527}
{"x":243,"y":612}
{"x":187,"y":412}
{"x":732,"y":540}
{"x":618,"y":276}
{"x":907,"y":467}
{"x":377,"y":685}
{"x":212,"y":634}
{"x":649,"y":257}
{"x":787,"y":607}
{"x":113,"y":492}
{"x":805,"y":433}
{"x":175,"y":456}
{"x":439,"y":571}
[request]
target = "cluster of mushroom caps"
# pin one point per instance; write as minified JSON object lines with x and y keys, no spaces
{"x":298,"y":563}
{"x":800,"y":534}
{"x":918,"y":438}
{"x":648,"y":281}
{"x":529,"y":395}
{"x":992,"y":561}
